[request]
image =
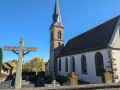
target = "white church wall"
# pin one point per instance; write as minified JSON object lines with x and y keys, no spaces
{"x":116,"y":40}
{"x":69,"y":65}
{"x":78,"y":66}
{"x":58,"y":72}
{"x":91,"y":70}
{"x":106,"y":59}
{"x":62,"y":67}
{"x":63,"y":72}
{"x":116,"y":53}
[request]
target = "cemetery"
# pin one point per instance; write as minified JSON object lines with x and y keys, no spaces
{"x":38,"y":80}
{"x":24,"y":80}
{"x":88,"y":61}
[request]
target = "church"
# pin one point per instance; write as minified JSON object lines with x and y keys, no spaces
{"x":89,"y":55}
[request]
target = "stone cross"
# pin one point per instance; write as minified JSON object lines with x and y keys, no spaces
{"x":27,"y":78}
{"x":21,"y":53}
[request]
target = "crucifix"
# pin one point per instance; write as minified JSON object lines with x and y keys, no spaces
{"x":21,"y":53}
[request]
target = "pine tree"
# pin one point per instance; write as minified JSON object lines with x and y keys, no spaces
{"x":1,"y":57}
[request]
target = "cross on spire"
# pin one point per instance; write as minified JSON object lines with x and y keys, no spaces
{"x":56,"y":19}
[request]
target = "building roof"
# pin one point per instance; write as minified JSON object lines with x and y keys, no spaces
{"x":10,"y":65}
{"x":94,"y":39}
{"x":7,"y":66}
{"x":56,"y":19}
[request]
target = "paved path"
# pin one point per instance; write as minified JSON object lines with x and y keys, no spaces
{"x":108,"y":89}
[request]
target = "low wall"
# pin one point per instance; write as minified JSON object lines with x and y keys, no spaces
{"x":77,"y":87}
{"x":2,"y":79}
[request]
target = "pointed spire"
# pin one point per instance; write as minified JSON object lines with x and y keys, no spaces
{"x":56,"y":10}
{"x":56,"y":19}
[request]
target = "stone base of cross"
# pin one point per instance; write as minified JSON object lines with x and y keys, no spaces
{"x":21,"y":53}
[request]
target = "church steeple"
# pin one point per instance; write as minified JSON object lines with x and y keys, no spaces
{"x":56,"y":39}
{"x":56,"y":19}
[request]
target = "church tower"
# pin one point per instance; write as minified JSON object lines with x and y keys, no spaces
{"x":56,"y":39}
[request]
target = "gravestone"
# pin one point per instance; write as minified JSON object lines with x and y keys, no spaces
{"x":21,"y":53}
{"x":108,"y":78}
{"x":27,"y":78}
{"x":73,"y":79}
{"x":54,"y":84}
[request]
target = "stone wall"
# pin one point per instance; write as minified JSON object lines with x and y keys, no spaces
{"x":77,"y":87}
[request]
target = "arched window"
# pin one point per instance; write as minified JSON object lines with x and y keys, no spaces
{"x":83,"y":64}
{"x":73,"y":64}
{"x":59,"y":34}
{"x":99,"y":64}
{"x":51,"y":35}
{"x":66,"y":65}
{"x":59,"y":64}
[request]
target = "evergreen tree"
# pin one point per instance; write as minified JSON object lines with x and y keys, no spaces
{"x":1,"y":57}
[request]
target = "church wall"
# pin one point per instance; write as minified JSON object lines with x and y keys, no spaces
{"x":56,"y":45}
{"x":47,"y":70}
{"x":116,"y":52}
{"x":91,"y":70}
{"x":62,"y":72}
{"x":56,"y":29}
{"x":116,"y":39}
{"x":116,"y":56}
{"x":51,"y":62}
{"x":63,"y":67}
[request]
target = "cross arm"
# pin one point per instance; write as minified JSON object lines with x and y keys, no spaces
{"x":29,"y":49}
{"x":11,"y":48}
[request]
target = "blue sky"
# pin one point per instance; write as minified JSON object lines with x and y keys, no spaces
{"x":31,"y":19}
